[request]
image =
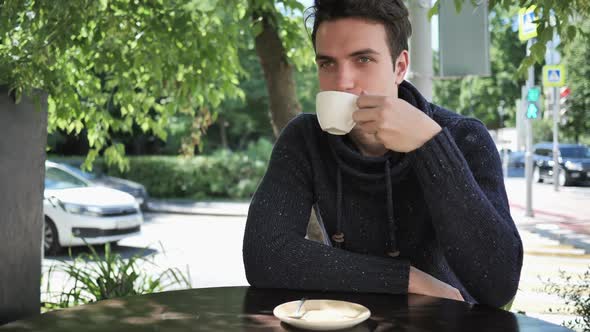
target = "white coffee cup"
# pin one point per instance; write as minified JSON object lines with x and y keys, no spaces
{"x":334,"y":111}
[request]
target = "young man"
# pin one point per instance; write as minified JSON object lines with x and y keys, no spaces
{"x":413,"y":197}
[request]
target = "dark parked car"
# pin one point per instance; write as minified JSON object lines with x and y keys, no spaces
{"x":574,"y":163}
{"x":516,"y":159}
{"x":135,"y":189}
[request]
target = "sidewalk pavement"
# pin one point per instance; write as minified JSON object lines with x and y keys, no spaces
{"x":552,"y":243}
{"x":560,"y":227}
{"x":182,"y":206}
{"x":573,"y":234}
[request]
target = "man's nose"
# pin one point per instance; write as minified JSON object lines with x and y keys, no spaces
{"x":345,"y":80}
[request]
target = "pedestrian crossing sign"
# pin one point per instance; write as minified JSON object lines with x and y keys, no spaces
{"x":527,"y":28}
{"x":554,"y":76}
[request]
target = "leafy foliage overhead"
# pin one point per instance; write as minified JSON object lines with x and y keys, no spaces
{"x":111,"y":64}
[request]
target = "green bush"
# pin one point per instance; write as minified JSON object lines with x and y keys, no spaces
{"x":575,"y":291}
{"x":222,"y":174}
{"x":99,"y":277}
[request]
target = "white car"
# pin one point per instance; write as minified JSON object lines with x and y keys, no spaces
{"x":79,"y":213}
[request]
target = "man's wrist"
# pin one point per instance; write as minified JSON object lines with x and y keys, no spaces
{"x":411,"y":279}
{"x":431,"y":129}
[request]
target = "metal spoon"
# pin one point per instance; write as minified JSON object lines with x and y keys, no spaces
{"x":298,"y":313}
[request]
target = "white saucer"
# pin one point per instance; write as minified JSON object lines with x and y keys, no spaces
{"x":323,"y":315}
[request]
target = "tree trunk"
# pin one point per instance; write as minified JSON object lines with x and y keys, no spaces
{"x":22,"y":171}
{"x":280,"y":83}
{"x":278,"y":74}
{"x":223,"y":132}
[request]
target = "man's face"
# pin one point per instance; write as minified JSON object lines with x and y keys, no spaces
{"x":352,"y":55}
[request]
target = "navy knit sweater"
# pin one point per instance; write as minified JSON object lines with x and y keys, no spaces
{"x":442,"y":206}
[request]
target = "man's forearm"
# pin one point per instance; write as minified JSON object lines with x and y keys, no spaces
{"x":471,"y":219}
{"x":276,"y":257}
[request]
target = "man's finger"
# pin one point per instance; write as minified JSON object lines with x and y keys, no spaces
{"x":366,"y":114}
{"x":369,"y":101}
{"x":369,"y":127}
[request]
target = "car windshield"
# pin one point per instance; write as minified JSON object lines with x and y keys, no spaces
{"x":56,"y":178}
{"x":79,"y":172}
{"x":575,"y":152}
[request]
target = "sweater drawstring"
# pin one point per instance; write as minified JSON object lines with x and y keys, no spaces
{"x":392,"y":250}
{"x":338,"y":237}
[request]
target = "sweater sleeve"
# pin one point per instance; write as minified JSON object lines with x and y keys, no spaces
{"x":275,"y":251}
{"x":462,"y":181}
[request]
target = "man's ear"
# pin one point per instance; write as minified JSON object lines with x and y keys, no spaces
{"x":402,"y":65}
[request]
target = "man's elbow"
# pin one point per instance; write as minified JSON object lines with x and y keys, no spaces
{"x":503,"y":291}
{"x":500,"y":294}
{"x":501,"y":299}
{"x":254,"y":278}
{"x":251,"y":268}
{"x":257,"y":271}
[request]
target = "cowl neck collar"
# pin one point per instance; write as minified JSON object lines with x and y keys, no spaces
{"x":373,"y":173}
{"x":363,"y":167}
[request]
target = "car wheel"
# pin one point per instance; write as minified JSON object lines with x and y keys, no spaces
{"x":50,"y":238}
{"x":537,"y":175}
{"x":562,"y":178}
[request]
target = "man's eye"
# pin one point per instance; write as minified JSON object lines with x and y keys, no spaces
{"x":325,"y":64}
{"x":364,"y":59}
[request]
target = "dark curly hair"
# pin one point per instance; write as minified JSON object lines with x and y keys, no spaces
{"x":393,"y":14}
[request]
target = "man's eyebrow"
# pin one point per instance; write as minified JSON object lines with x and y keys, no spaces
{"x":365,"y":51}
{"x":323,"y":57}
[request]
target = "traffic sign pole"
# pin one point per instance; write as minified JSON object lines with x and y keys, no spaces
{"x":556,"y":97}
{"x":527,"y":31}
{"x":554,"y":76}
{"x":556,"y":169}
{"x":529,"y":144}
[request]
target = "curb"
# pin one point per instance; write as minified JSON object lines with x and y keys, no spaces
{"x":206,"y":209}
{"x":546,"y":213}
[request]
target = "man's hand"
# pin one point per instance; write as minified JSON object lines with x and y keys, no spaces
{"x":425,"y":284}
{"x":396,"y":124}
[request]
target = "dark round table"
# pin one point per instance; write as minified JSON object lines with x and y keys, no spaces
{"x":250,"y":309}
